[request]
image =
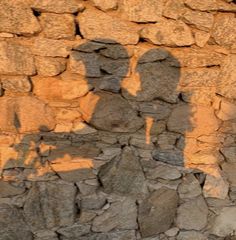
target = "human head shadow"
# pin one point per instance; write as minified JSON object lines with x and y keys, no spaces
{"x":108,"y":107}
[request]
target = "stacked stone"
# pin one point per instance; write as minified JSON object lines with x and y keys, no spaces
{"x":118,"y":120}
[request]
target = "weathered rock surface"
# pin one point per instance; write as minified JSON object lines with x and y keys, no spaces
{"x":50,"y":204}
{"x":157,"y":212}
{"x":192,"y":215}
{"x":18,"y":18}
{"x":12,"y":224}
{"x":57,"y":26}
{"x":123,"y":175}
{"x":19,"y":115}
{"x":110,"y":29}
{"x":16,"y":83}
{"x":224,"y":224}
{"x":168,"y":32}
{"x":191,"y":235}
{"x":121,"y":215}
{"x":61,"y":6}
{"x":105,"y":5}
{"x":9,"y":190}
{"x":141,"y":10}
{"x":16,"y":59}
{"x":97,"y":108}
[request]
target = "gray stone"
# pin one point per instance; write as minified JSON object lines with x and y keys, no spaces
{"x":156,"y":80}
{"x":164,"y":172}
{"x":115,"y":51}
{"x":229,"y":170}
{"x":141,"y":10}
{"x":191,"y":235}
{"x":18,"y":18}
{"x":74,"y":232}
{"x":189,"y":187}
{"x":157,"y":212}
{"x":51,"y":47}
{"x":192,"y":215}
{"x":110,"y":83}
{"x":12,"y":224}
{"x":123,"y":175}
{"x":16,"y":59}
{"x":46,"y":235}
{"x":61,"y":6}
{"x":169,"y":33}
{"x":57,"y":26}
{"x":86,"y":64}
{"x":9,"y":190}
{"x":50,"y":204}
{"x":110,"y":28}
{"x":16,"y":83}
{"x":121,"y":215}
{"x":225,"y":223}
{"x":94,"y":201}
{"x":229,"y":153}
{"x":170,"y":156}
{"x":96,"y":109}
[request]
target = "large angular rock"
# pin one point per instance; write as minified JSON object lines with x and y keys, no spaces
{"x":174,"y":9}
{"x":15,"y":59}
{"x":153,"y":80}
{"x":109,"y":112}
{"x":12,"y":224}
{"x":229,"y":170}
{"x":200,"y":20}
{"x":168,"y":32}
{"x":141,"y":10}
{"x":192,"y":215}
{"x":123,"y":175}
{"x":18,"y":18}
{"x":194,"y":120}
{"x":50,"y":204}
{"x":110,"y":28}
{"x":225,"y":223}
{"x":54,"y":88}
{"x":227,"y":111}
{"x":57,"y":26}
{"x":25,"y":114}
{"x":157,"y":212}
{"x":114,"y":235}
{"x":224,"y":26}
{"x":208,"y":5}
{"x":60,"y":6}
{"x":121,"y":215}
{"x":229,"y":153}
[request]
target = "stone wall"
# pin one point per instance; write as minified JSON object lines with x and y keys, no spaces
{"x":118,"y":119}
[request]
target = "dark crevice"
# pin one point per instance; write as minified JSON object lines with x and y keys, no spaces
{"x":36,"y":13}
{"x":77,"y":31}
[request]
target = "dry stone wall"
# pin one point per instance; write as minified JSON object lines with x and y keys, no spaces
{"x":118,"y":120}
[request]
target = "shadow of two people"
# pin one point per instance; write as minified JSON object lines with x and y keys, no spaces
{"x":120,"y":77}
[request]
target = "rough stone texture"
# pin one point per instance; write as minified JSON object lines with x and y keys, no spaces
{"x":15,"y":59}
{"x":121,"y":215}
{"x":61,"y":6}
{"x":57,"y":26}
{"x":168,"y":32}
{"x":50,"y":48}
{"x":97,"y":108}
{"x":157,"y":212}
{"x":105,"y":5}
{"x":16,"y":83}
{"x":18,"y":18}
{"x":123,"y":175}
{"x":191,"y":234}
{"x":19,"y":115}
{"x":224,"y":26}
{"x":141,"y":10}
{"x":9,"y":190}
{"x":192,"y":215}
{"x":110,"y":29}
{"x":49,"y":205}
{"x":12,"y":224}
{"x":224,"y":223}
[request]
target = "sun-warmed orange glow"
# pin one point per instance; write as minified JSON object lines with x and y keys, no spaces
{"x":149,"y":123}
